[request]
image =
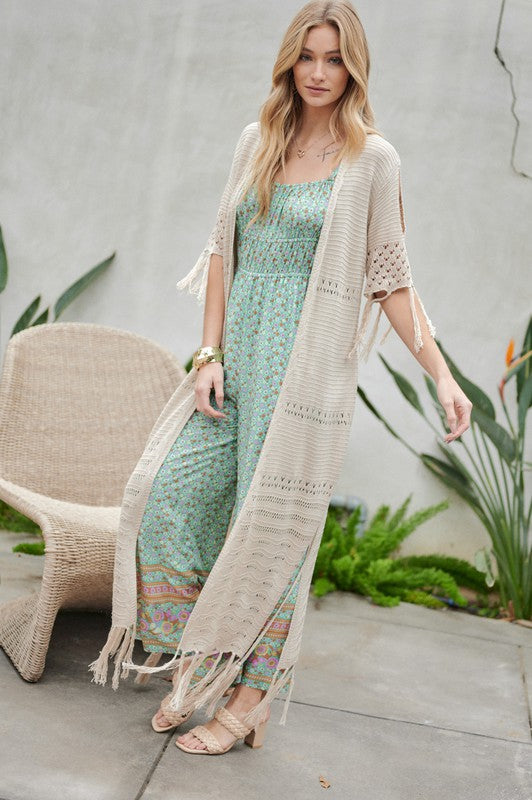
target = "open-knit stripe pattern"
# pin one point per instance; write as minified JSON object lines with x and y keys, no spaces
{"x":283,"y":514}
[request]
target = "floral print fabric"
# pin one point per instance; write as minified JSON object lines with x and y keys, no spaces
{"x":202,"y":483}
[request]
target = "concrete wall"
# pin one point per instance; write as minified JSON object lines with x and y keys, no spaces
{"x":119,"y":120}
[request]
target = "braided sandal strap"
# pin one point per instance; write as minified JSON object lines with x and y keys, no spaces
{"x":209,"y":739}
{"x":173,"y":717}
{"x":229,"y":721}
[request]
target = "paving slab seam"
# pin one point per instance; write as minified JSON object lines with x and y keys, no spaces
{"x":427,"y":628}
{"x":412,"y":722}
{"x":155,"y":764}
{"x":528,"y":694}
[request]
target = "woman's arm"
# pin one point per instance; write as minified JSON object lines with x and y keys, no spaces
{"x":390,"y":286}
{"x":211,"y":375}
{"x":206,"y":281}
{"x":455,"y":403}
{"x":195,"y":281}
{"x":213,"y":316}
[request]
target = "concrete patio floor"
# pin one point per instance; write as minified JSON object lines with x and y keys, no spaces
{"x":404,"y":703}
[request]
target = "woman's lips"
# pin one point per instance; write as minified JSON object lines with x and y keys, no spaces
{"x":316,"y":89}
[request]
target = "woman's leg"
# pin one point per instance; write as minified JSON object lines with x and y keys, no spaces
{"x":255,"y":676}
{"x":184,"y":525}
{"x":256,"y":401}
{"x":260,"y":666}
{"x":254,"y":420}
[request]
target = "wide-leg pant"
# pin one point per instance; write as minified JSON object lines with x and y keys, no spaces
{"x":205,"y":474}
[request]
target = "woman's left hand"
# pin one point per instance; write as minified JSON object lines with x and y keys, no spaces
{"x":457,"y":407}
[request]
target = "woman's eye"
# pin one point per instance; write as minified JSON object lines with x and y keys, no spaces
{"x":334,"y":59}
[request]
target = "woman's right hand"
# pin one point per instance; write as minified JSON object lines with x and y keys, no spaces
{"x":210,"y":375}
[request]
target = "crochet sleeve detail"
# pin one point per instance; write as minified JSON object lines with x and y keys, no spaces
{"x":195,"y":281}
{"x":387,"y":269}
{"x":217,"y":234}
{"x":387,"y":263}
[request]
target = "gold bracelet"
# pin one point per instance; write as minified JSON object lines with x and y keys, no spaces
{"x":205,"y":355}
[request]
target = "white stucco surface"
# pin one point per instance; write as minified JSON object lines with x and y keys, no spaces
{"x":119,"y":122}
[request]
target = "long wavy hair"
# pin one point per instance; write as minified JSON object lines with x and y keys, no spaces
{"x":352,"y":118}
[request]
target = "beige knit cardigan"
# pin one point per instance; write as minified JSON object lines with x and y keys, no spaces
{"x":283,"y":514}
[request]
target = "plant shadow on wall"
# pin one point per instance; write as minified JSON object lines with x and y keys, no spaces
{"x":490,"y":476}
{"x":10,"y":519}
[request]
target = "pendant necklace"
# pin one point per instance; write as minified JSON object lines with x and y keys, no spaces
{"x":299,"y":150}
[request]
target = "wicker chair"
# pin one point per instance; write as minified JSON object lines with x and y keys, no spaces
{"x":77,"y":404}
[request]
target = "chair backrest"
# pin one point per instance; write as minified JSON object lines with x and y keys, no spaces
{"x":77,"y":404}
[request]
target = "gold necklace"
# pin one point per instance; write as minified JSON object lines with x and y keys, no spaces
{"x":300,"y":152}
{"x":320,"y":155}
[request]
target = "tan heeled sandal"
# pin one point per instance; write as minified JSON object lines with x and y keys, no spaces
{"x":175,"y":718}
{"x":254,"y":737}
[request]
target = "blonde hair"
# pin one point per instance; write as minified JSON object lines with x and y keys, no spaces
{"x":352,"y":117}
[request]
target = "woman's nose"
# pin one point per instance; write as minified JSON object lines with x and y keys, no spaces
{"x":317,"y":72}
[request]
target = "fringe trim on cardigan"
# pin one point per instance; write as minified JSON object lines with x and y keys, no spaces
{"x":364,"y":348}
{"x":195,"y":281}
{"x":209,"y":689}
{"x":120,"y":643}
{"x":152,"y":660}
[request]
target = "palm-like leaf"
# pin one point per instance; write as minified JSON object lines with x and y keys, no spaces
{"x":3,"y":263}
{"x":525,"y":401}
{"x":379,"y":416}
{"x":451,"y":477}
{"x":479,"y":398}
{"x":498,"y":435}
{"x":527,"y":370}
{"x":404,"y":386}
{"x":26,"y":316}
{"x":42,"y":318}
{"x":73,"y":291}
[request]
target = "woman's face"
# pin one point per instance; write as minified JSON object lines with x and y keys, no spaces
{"x":320,"y":65}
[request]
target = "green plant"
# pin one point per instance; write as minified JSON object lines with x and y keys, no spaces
{"x":3,"y":263}
{"x":359,"y":561}
{"x":12,"y":520}
{"x":28,"y":317}
{"x":31,"y":548}
{"x":490,"y":475}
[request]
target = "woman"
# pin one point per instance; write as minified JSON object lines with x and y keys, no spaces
{"x":231,"y":509}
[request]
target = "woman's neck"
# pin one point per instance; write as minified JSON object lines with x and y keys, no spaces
{"x":313,"y":122}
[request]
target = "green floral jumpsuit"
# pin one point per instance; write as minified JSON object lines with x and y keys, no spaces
{"x":208,"y":470}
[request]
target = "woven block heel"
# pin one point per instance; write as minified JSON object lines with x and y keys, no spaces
{"x":256,"y":737}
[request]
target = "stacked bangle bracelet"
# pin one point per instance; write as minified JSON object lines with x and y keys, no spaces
{"x":204,"y":355}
